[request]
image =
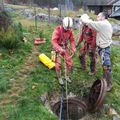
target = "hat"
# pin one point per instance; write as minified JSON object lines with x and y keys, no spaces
{"x":84,"y":17}
{"x":67,"y":22}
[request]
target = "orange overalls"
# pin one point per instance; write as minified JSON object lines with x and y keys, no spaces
{"x":89,"y":36}
{"x":60,"y":39}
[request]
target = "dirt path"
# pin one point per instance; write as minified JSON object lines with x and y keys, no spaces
{"x":17,"y":85}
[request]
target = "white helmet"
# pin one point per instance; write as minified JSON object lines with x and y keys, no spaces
{"x":84,"y":17}
{"x":67,"y":23}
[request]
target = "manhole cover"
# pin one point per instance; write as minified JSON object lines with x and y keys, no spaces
{"x":73,"y":109}
{"x":97,"y":94}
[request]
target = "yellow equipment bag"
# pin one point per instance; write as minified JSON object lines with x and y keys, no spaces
{"x":46,"y":61}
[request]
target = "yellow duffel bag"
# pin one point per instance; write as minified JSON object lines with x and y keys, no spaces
{"x":46,"y":61}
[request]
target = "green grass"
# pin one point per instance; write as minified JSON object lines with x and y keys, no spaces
{"x":29,"y":105}
{"x":10,"y":62}
{"x":113,"y":97}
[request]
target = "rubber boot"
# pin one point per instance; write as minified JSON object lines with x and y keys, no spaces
{"x":109,"y":81}
{"x":68,"y":79}
{"x":60,"y":81}
{"x":107,"y":75}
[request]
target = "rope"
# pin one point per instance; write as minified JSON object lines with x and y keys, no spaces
{"x":61,"y":106}
{"x":67,"y":101}
{"x":66,"y":89}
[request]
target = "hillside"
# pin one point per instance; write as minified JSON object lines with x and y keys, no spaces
{"x":24,"y":80}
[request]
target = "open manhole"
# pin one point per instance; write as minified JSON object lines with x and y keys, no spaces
{"x":72,"y":109}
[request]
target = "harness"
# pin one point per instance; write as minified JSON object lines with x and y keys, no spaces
{"x":87,"y":33}
{"x":63,"y":39}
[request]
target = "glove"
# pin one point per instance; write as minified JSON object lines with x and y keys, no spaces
{"x":62,"y":52}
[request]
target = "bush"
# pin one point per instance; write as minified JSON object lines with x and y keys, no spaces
{"x":18,"y":28}
{"x":10,"y":32}
{"x":11,"y":38}
{"x":5,"y":20}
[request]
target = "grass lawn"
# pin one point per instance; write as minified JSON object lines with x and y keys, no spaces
{"x":22,"y":73}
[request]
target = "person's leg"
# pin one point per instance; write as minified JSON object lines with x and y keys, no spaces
{"x":58,"y":69}
{"x":82,"y":57}
{"x":92,"y":61}
{"x":107,"y":70}
{"x":108,"y":76}
{"x":68,"y":65}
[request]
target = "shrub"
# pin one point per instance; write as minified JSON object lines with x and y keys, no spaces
{"x":18,"y":28}
{"x":5,"y":20}
{"x":11,"y":38}
{"x":10,"y":32}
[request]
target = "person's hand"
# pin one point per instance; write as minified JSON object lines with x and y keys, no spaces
{"x":86,"y":21}
{"x":62,"y":52}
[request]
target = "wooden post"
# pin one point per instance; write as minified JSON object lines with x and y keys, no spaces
{"x":65,"y":7}
{"x":2,"y":5}
{"x":49,"y":11}
{"x":60,"y":14}
{"x":35,"y":18}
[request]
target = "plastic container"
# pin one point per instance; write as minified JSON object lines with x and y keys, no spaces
{"x":46,"y":61}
